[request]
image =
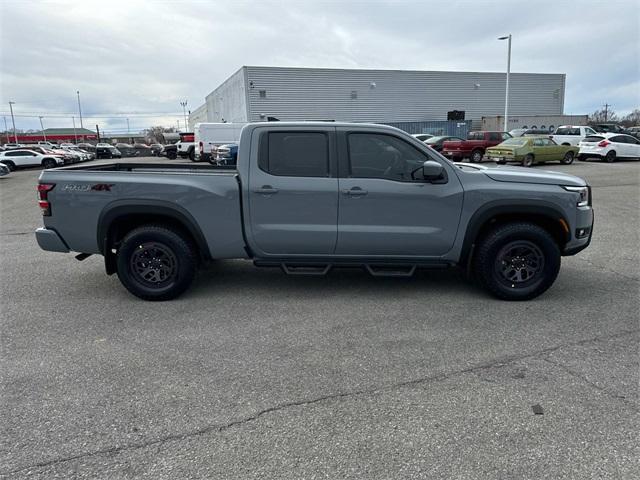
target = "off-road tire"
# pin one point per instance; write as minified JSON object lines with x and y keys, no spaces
{"x":174,"y":246}
{"x":488,"y":261}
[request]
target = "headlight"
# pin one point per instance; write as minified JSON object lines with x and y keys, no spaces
{"x":584,"y":198}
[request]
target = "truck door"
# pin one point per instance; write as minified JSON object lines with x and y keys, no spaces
{"x":386,"y":207}
{"x":293,"y":192}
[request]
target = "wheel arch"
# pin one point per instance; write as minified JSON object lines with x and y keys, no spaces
{"x":501,"y":212}
{"x":120,"y":217}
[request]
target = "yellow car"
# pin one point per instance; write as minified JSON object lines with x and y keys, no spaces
{"x":530,"y":150}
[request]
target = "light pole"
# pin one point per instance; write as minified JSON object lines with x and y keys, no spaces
{"x":6,"y":129}
{"x":128,"y":129}
{"x":79,"y":108}
{"x":506,"y":95}
{"x":42,"y":128}
{"x":73,"y":119}
{"x":184,"y":112}
{"x":13,"y":121}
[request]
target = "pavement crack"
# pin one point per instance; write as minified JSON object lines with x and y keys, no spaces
{"x":584,"y":379}
{"x":501,"y":361}
{"x":7,"y":234}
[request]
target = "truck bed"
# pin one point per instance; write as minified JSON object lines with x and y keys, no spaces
{"x":85,"y":200}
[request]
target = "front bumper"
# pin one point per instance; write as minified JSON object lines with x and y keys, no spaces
{"x":584,"y":220}
{"x":50,"y":240}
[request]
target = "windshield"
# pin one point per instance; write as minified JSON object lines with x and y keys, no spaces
{"x":515,"y":141}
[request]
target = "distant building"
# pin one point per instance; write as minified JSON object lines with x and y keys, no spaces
{"x":55,"y":135}
{"x":198,"y":115}
{"x":381,"y":96}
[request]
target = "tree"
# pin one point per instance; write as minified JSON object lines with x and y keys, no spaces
{"x":603,"y":116}
{"x":155,"y":134}
{"x":632,"y":119}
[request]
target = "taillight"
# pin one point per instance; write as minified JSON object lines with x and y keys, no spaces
{"x":604,"y":143}
{"x":43,"y":197}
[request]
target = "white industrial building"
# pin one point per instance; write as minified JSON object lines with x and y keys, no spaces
{"x":381,"y":96}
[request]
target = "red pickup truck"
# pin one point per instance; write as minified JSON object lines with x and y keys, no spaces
{"x":474,"y":146}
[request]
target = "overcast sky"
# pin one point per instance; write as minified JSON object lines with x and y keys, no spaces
{"x":128,"y":56}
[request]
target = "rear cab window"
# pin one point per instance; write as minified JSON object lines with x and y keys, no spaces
{"x":294,"y":154}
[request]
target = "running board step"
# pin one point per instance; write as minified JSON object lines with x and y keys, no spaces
{"x":391,"y":270}
{"x":302,"y":269}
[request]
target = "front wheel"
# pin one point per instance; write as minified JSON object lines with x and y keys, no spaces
{"x":517,"y":261}
{"x":49,"y":163}
{"x":567,"y":159}
{"x":155,"y":262}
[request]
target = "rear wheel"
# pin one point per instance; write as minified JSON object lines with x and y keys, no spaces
{"x":476,"y":156}
{"x":527,"y":161}
{"x":49,"y":163}
{"x":192,"y":155}
{"x":10,"y":165}
{"x":517,"y":261}
{"x":156,"y":262}
{"x":567,"y":159}
{"x":610,"y":157}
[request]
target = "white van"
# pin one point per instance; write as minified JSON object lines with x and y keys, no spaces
{"x":208,"y":136}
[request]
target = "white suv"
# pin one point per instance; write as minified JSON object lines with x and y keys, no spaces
{"x":609,"y":147}
{"x":571,"y":135}
{"x":29,"y":158}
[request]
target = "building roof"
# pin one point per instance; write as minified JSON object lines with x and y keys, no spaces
{"x":65,"y":131}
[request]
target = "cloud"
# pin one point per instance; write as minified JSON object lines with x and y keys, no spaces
{"x":127,"y":56}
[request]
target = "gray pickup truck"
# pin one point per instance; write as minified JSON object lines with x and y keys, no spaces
{"x":310,"y":196}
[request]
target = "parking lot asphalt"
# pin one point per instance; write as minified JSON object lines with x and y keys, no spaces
{"x":254,"y":374}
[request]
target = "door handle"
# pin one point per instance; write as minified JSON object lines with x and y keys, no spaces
{"x":355,"y":192}
{"x":266,"y":190}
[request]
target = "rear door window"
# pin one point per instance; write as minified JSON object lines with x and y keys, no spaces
{"x":495,"y":137}
{"x":593,"y":139}
{"x":295,"y":154}
{"x":562,"y":131}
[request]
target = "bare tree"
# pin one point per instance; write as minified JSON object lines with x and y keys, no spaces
{"x":632,"y":119}
{"x":603,"y":115}
{"x":155,"y":134}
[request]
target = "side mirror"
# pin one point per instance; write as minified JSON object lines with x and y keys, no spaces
{"x":432,"y":170}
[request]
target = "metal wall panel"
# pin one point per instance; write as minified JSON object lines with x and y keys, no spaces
{"x":393,"y":95}
{"x":457,"y":129}
{"x":197,"y":116}
{"x":228,"y":102}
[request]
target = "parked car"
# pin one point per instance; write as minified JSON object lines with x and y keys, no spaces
{"x":474,"y":146}
{"x":437,"y":142}
{"x":87,"y":147}
{"x":29,"y":158}
{"x":127,"y":150}
{"x":297,"y":204}
{"x":422,"y":136}
{"x":186,"y":146}
{"x":142,"y":150}
{"x":208,"y":136}
{"x":609,"y":147}
{"x":108,"y":152}
{"x":156,"y":148}
{"x":571,"y":135}
{"x":227,"y":155}
{"x":608,"y":128}
{"x":13,"y":145}
{"x":530,"y":150}
{"x":170,"y":151}
{"x":66,"y":156}
{"x":517,"y":132}
{"x":533,"y":132}
{"x":4,"y":170}
{"x":84,"y":156}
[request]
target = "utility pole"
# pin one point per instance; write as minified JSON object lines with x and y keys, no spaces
{"x":79,"y":108}
{"x":98,"y":132}
{"x":128,"y":129}
{"x":15,"y":136}
{"x":184,"y":112}
{"x":73,"y":119}
{"x":506,"y":95}
{"x":606,"y":111}
{"x":42,"y":128}
{"x":6,"y":129}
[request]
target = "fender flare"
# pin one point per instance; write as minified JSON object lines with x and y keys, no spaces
{"x":507,"y":207}
{"x":122,"y":208}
